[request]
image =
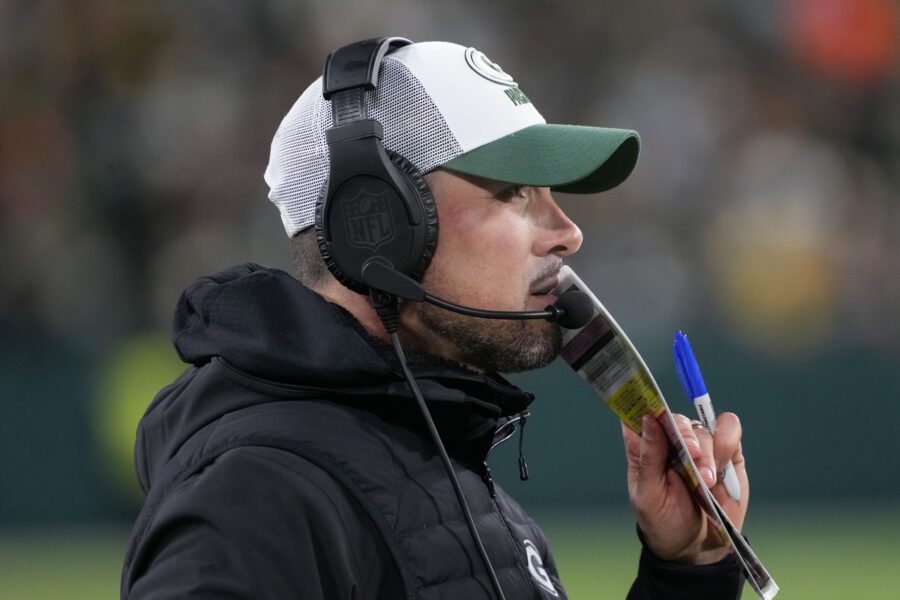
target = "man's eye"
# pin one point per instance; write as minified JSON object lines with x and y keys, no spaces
{"x":508,"y":193}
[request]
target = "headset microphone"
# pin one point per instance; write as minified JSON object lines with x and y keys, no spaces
{"x":576,"y":307}
{"x":572,"y":310}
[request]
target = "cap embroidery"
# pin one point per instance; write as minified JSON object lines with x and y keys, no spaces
{"x":517,"y":96}
{"x":487,"y":68}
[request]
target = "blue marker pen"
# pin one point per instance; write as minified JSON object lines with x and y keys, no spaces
{"x":694,"y":386}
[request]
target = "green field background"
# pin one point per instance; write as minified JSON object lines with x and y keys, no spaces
{"x":813,"y":553}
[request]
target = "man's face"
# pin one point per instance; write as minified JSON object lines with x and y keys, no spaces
{"x":500,"y":247}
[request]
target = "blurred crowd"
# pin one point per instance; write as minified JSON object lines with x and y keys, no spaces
{"x":134,"y":135}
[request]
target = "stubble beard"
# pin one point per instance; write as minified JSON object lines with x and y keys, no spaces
{"x":503,"y":346}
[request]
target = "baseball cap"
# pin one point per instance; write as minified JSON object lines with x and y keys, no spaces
{"x":445,"y":105}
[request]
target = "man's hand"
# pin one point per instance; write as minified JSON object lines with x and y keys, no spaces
{"x":673,"y":526}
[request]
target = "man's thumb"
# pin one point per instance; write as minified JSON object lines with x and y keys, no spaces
{"x":654,"y":450}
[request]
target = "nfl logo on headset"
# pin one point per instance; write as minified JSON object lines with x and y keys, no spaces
{"x":368,"y":220}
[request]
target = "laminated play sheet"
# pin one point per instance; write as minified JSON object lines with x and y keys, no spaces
{"x":608,"y":362}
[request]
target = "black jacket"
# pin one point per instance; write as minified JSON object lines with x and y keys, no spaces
{"x":290,"y":462}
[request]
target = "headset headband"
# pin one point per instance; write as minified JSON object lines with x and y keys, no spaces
{"x":350,"y":71}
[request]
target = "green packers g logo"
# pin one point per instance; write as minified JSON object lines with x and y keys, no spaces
{"x":488,"y":69}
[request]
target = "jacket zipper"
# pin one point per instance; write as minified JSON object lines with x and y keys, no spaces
{"x":521,"y":559}
{"x":520,"y":420}
{"x":489,"y":481}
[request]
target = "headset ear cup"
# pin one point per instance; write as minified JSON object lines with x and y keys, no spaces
{"x":419,"y":187}
{"x":416,"y":192}
{"x":325,"y":248}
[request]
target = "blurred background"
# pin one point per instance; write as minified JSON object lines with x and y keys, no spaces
{"x":763,"y":219}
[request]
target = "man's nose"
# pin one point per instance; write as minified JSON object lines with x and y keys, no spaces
{"x":560,"y":235}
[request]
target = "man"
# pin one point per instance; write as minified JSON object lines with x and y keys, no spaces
{"x":290,"y":461}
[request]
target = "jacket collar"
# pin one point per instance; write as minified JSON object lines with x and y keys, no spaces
{"x":266,"y":324}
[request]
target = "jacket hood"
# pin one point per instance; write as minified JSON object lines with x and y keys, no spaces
{"x":265,"y":323}
{"x":264,"y":327}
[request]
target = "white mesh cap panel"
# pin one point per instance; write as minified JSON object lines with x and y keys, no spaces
{"x":299,"y":161}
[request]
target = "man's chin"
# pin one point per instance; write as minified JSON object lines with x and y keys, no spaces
{"x":503,"y":346}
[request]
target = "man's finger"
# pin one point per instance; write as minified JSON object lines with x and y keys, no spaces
{"x":705,"y":461}
{"x":688,"y":435}
{"x":727,"y":441}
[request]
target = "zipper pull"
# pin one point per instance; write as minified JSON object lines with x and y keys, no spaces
{"x":488,"y":480}
{"x":523,"y":466}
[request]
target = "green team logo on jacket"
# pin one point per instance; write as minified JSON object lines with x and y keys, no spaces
{"x":537,"y":570}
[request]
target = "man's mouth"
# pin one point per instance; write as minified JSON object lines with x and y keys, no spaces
{"x":544,"y":287}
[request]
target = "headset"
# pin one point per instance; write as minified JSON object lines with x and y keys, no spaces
{"x":377,"y":208}
{"x":376,"y":220}
{"x":377,"y":224}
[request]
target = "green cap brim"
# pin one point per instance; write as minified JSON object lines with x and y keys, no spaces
{"x":568,"y":158}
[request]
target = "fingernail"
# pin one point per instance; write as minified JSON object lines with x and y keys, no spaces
{"x":647,"y":431}
{"x":692,"y":441}
{"x":707,"y":475}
